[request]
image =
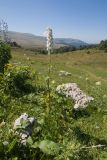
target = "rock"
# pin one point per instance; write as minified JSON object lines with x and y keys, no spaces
{"x":73,"y":91}
{"x":24,"y":126}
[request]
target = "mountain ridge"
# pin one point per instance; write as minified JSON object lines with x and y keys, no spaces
{"x":29,"y":40}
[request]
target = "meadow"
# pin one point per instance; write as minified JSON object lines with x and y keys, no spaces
{"x":69,"y":134}
{"x":80,"y":64}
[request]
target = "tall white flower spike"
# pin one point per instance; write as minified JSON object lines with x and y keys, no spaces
{"x":49,"y":40}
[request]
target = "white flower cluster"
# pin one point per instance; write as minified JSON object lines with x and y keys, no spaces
{"x":64,"y":73}
{"x":72,"y":90}
{"x":49,"y":40}
{"x":23,"y":126}
{"x":98,"y":83}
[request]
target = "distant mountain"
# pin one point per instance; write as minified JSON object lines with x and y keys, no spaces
{"x":70,"y":42}
{"x":32,"y":41}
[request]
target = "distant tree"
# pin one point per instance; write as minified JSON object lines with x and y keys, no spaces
{"x":4,"y":31}
{"x":14,"y":44}
{"x":65,"y":49}
{"x":90,"y":46}
{"x":103,"y":45}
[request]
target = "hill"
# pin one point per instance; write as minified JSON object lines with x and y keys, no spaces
{"x":31,"y":41}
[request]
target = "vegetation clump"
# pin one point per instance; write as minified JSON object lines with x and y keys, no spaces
{"x":5,"y":55}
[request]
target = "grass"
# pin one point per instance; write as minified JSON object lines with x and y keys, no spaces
{"x":86,"y":69}
{"x":80,"y":64}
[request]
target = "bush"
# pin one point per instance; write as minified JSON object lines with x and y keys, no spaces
{"x":5,"y":55}
{"x":105,"y":50}
{"x":103,"y":45}
{"x":16,"y":81}
{"x":65,"y":49}
{"x":88,"y":52}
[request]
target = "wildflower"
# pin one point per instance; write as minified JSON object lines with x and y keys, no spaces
{"x":49,"y":40}
{"x":97,"y":127}
{"x":104,"y":96}
{"x":64,"y":73}
{"x":8,"y":66}
{"x":76,"y":106}
{"x":86,"y":78}
{"x":5,"y":143}
{"x":28,"y":58}
{"x":2,"y":124}
{"x":98,"y":83}
{"x":53,"y":82}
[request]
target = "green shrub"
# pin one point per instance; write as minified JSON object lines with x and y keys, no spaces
{"x":105,"y":50}
{"x":16,"y":81}
{"x":88,"y":52}
{"x":5,"y":55}
{"x":103,"y":45}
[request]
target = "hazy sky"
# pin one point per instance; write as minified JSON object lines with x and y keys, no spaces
{"x":80,"y":19}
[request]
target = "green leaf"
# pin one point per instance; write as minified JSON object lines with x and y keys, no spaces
{"x":41,"y":121}
{"x":24,"y":123}
{"x":49,"y":147}
{"x":1,"y":147}
{"x":35,"y":145}
{"x":29,"y":140}
{"x":12,"y":145}
{"x":15,"y":158}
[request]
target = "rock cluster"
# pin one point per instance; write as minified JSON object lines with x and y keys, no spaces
{"x":72,"y":90}
{"x":23,"y":126}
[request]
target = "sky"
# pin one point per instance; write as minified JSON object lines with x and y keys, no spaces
{"x":80,"y":19}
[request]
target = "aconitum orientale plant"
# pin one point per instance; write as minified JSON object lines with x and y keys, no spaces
{"x":49,"y":40}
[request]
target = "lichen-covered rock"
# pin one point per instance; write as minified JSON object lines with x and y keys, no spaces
{"x":24,"y":126}
{"x":72,"y":90}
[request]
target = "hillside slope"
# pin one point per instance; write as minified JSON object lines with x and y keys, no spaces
{"x":31,"y":41}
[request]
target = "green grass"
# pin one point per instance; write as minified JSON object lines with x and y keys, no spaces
{"x":79,"y":63}
{"x":90,"y":125}
{"x":81,"y":66}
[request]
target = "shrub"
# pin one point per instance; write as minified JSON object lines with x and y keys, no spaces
{"x":88,"y":52}
{"x":16,"y":81}
{"x":105,"y":50}
{"x":5,"y":55}
{"x":103,"y":45}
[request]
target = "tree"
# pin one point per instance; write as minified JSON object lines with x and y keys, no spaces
{"x":103,"y":45}
{"x":4,"y":31}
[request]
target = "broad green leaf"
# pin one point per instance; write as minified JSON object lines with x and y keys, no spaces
{"x":49,"y":147}
{"x":1,"y":147}
{"x":29,"y":140}
{"x":24,"y":123}
{"x":15,"y":158}
{"x":12,"y":145}
{"x":35,"y":145}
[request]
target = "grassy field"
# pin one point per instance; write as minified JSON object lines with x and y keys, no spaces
{"x":80,"y":64}
{"x":86,"y":68}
